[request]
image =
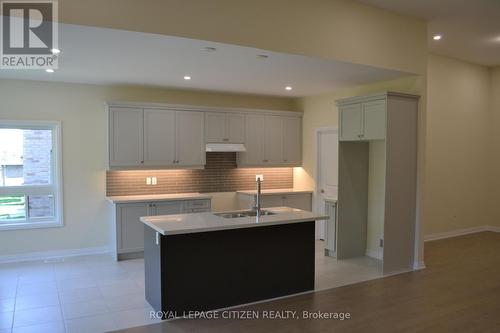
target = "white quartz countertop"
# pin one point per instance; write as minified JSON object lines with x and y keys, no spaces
{"x":274,"y":192}
{"x":157,"y":197}
{"x":203,"y":222}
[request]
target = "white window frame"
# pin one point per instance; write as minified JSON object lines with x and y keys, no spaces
{"x":56,"y":178}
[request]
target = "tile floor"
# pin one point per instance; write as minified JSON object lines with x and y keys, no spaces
{"x":95,"y":294}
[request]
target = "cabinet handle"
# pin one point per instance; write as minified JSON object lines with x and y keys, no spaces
{"x":225,"y":139}
{"x":142,"y":161}
{"x":266,"y":161}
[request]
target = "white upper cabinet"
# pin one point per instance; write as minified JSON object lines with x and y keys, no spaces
{"x":363,"y":121}
{"x":159,"y":137}
{"x":224,"y":127}
{"x":215,"y":127}
{"x":374,"y":120}
{"x":125,"y":137}
{"x":350,"y":122}
{"x":292,"y":141}
{"x":190,"y":141}
{"x":254,"y":140}
{"x":235,"y":127}
{"x":273,"y":140}
{"x":140,"y":138}
{"x":153,"y":136}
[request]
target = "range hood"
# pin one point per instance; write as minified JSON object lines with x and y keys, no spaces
{"x":224,"y":147}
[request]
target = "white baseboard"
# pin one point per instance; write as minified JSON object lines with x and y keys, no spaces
{"x":417,"y":265}
{"x":460,"y":232}
{"x":43,"y":255}
{"x":375,"y":254}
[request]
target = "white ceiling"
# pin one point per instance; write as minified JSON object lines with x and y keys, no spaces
{"x":470,"y":28}
{"x":105,"y":56}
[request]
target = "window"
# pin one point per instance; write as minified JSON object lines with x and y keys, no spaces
{"x":30,"y":175}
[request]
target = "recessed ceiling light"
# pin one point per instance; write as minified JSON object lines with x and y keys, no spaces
{"x":209,"y":49}
{"x":262,"y":56}
{"x":288,"y":88}
{"x":187,"y":77}
{"x":49,"y":70}
{"x":55,"y":51}
{"x":437,"y":37}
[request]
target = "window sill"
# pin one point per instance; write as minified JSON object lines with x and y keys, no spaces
{"x":30,"y":225}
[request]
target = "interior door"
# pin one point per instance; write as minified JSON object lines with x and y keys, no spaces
{"x":126,"y":137}
{"x":273,"y":140}
{"x":327,"y":180}
{"x":215,"y":127}
{"x":159,"y":137}
{"x":190,"y":138}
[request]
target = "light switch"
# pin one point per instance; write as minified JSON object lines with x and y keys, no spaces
{"x":154,"y":181}
{"x":148,"y":180}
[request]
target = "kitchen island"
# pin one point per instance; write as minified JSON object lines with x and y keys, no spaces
{"x":207,"y":261}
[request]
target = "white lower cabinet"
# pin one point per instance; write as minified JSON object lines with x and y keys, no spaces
{"x":128,"y":231}
{"x":294,"y":200}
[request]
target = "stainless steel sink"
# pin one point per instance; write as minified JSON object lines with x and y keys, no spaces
{"x":262,"y":213}
{"x":247,"y":213}
{"x":231,"y":215}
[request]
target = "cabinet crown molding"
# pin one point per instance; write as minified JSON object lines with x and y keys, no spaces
{"x":372,"y":97}
{"x":201,"y":108}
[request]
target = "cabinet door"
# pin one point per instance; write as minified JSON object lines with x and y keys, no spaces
{"x":125,"y":137}
{"x":272,"y":201}
{"x":350,"y":122}
{"x":273,"y":140}
{"x":235,"y":132}
{"x":254,"y":140}
{"x":190,"y":138}
{"x":374,"y":120}
{"x":300,"y":200}
{"x":292,"y":141}
{"x":131,"y":230}
{"x":159,"y":137}
{"x":167,"y":208}
{"x":215,"y":127}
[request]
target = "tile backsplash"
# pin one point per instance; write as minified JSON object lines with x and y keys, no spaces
{"x":219,"y":175}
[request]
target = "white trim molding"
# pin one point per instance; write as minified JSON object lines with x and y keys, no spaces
{"x":375,"y":254}
{"x":51,"y":255}
{"x":460,"y":232}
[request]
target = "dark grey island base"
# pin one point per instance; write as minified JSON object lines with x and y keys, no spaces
{"x":217,"y":269}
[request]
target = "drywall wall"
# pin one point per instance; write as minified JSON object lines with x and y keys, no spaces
{"x":459,"y":166}
{"x":331,"y":29}
{"x":495,"y":125}
{"x":81,"y":110}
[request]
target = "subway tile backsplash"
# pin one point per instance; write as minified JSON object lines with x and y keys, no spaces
{"x":219,"y":175}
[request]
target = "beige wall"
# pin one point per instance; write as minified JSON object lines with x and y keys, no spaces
{"x":321,"y":111}
{"x":331,"y":29}
{"x":459,"y":166}
{"x":81,"y":110}
{"x":495,"y":130}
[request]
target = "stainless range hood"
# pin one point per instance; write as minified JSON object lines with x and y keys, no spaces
{"x":224,"y":147}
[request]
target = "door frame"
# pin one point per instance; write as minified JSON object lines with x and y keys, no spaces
{"x":317,"y":171}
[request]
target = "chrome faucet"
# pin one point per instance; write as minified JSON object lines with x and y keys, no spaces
{"x":257,"y":199}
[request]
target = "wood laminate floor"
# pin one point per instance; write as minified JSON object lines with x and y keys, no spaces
{"x":459,"y":291}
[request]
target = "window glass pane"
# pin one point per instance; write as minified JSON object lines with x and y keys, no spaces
{"x":12,"y":208}
{"x":25,"y":157}
{"x":40,"y":206}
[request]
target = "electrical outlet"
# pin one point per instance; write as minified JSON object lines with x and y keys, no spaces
{"x":148,"y":180}
{"x":259,"y":176}
{"x":154,"y":181}
{"x":381,"y":242}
